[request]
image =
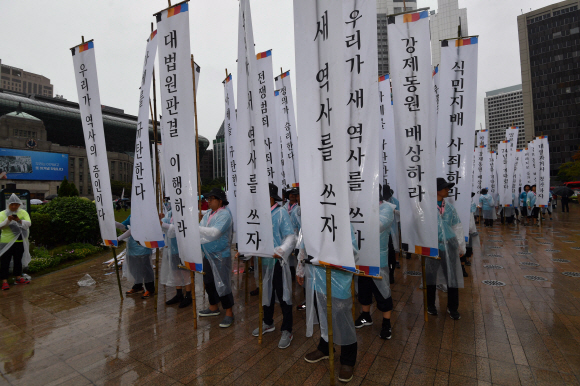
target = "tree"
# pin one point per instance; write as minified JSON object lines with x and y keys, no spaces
{"x":63,"y":190}
{"x":118,"y":186}
{"x":74,"y":192}
{"x":570,"y":171}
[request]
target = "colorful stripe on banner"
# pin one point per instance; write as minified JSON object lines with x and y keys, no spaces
{"x":506,"y":141}
{"x":518,"y":150}
{"x":194,"y":267}
{"x":482,"y":131}
{"x":85,"y":47}
{"x":465,"y":42}
{"x":229,"y":78}
{"x":542,"y":206}
{"x":543,"y":136}
{"x":384,"y":77}
{"x":426,"y":251}
{"x":467,"y":239}
{"x":369,"y":271}
{"x":111,"y":243}
{"x":411,"y":17}
{"x":508,"y":206}
{"x":436,"y":70}
{"x":481,"y":147}
{"x":154,"y":244}
{"x":276,"y":93}
{"x":349,"y":269}
{"x":287,"y":73}
{"x":177,"y":9}
{"x":263,"y":55}
{"x":296,"y":185}
{"x":152,"y":35}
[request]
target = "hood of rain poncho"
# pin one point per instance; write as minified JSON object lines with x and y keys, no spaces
{"x":215,"y":231}
{"x":14,"y":231}
{"x":284,"y":242}
{"x":447,"y":269}
{"x":138,"y":267}
{"x":342,"y":322}
{"x":13,"y":200}
{"x":171,"y":275}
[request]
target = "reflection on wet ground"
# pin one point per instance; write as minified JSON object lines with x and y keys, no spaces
{"x":53,"y":332}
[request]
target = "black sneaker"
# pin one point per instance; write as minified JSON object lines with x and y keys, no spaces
{"x":185,"y":302}
{"x":255,"y":292}
{"x":364,"y":319}
{"x":386,"y":330}
{"x":454,"y":314}
{"x":397,"y":265}
{"x":468,"y":263}
{"x":432,"y":310}
{"x":251,"y":269}
{"x":174,"y":300}
{"x":464,"y":271}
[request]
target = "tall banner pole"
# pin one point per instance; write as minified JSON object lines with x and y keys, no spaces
{"x":261,"y":306}
{"x":117,"y":272}
{"x":424,"y":278}
{"x":85,"y":67}
{"x":329,"y":322}
{"x":155,"y":140}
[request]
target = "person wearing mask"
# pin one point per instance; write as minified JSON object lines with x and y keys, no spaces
{"x":531,"y":204}
{"x":446,"y":269}
{"x":344,"y":333}
{"x":137,"y":267}
{"x":487,"y":206}
{"x":216,"y":231}
{"x":276,"y":280}
{"x":15,"y":223}
{"x":379,"y":288}
{"x":524,"y":204}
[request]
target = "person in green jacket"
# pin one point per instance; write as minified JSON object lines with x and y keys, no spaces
{"x":14,"y":223}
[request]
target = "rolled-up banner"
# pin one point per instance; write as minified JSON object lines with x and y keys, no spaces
{"x":85,"y":67}
{"x":493,"y":190}
{"x":482,"y":136}
{"x":231,"y":134}
{"x":511,"y":135}
{"x":322,"y":93}
{"x":504,"y":180}
{"x":388,"y":154}
{"x":287,"y":129}
{"x":362,"y":156}
{"x":479,"y":172}
{"x":145,"y":226}
{"x":516,"y":176}
{"x":435,"y":96}
{"x":456,"y":120}
{"x":254,"y":227}
{"x":264,"y":104}
{"x":179,"y":130}
{"x":411,"y":76}
{"x":543,"y":171}
{"x":533,"y":163}
{"x":526,"y":168}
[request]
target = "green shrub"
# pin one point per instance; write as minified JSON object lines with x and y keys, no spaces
{"x":43,"y":259}
{"x":42,"y":231}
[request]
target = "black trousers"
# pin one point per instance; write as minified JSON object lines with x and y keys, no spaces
{"x":14,"y":252}
{"x":452,"y":297}
{"x":488,"y":221}
{"x":392,"y":257}
{"x":366,"y":289}
{"x":565,"y":204}
{"x":278,"y":290}
{"x":212,"y":294}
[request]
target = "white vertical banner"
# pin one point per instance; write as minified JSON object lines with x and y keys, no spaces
{"x":493,"y":189}
{"x":511,"y":135}
{"x":388,"y":154}
{"x":486,"y":177}
{"x":517,"y":159}
{"x":254,"y":227}
{"x":526,"y":168}
{"x":504,"y":181}
{"x":482,"y":136}
{"x":264,"y":103}
{"x":289,"y":134}
{"x":230,"y":133}
{"x":285,"y":139}
{"x":85,"y":67}
{"x":479,"y":172}
{"x":435,"y":96}
{"x":360,"y":40}
{"x":178,"y":128}
{"x":410,"y":63}
{"x":322,"y":91}
{"x":533,"y":163}
{"x":543,"y":171}
{"x":456,"y":120}
{"x":145,"y":226}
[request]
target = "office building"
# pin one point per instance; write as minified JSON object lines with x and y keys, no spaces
{"x":219,"y":154}
{"x":206,"y":166}
{"x":444,"y":23}
{"x":503,"y":109}
{"x":16,"y":79}
{"x":550,"y":62}
{"x":384,"y":8}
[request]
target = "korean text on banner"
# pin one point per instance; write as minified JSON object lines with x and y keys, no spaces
{"x":478,"y":173}
{"x":504,"y":181}
{"x":456,"y":120}
{"x":85,"y":67}
{"x":543,"y":163}
{"x":526,"y":171}
{"x":493,"y":189}
{"x":516,"y":176}
{"x":265,"y":105}
{"x":482,"y":136}
{"x":410,"y":63}
{"x":179,"y":130}
{"x":254,"y":227}
{"x":144,"y":218}
{"x":388,"y":154}
{"x":322,"y":95}
{"x":231,"y":135}
{"x":363,"y":154}
{"x":435,"y":95}
{"x":289,"y":132}
{"x":511,"y":135}
{"x":533,"y":162}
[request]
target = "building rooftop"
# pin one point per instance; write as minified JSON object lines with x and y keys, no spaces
{"x":517,"y":87}
{"x":21,"y":114}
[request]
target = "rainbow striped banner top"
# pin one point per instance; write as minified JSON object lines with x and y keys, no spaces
{"x":384,"y":77}
{"x":436,"y":70}
{"x":154,"y":244}
{"x":263,"y":55}
{"x":229,"y":78}
{"x":277,"y":92}
{"x":177,"y":9}
{"x":152,"y":35}
{"x":369,"y":271}
{"x":541,"y":137}
{"x":287,"y":73}
{"x":85,"y":47}
{"x":465,"y":42}
{"x":507,"y":141}
{"x":110,"y":243}
{"x":411,"y":17}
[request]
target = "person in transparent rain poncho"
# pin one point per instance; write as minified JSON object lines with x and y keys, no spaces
{"x":171,"y":275}
{"x":531,"y":204}
{"x":344,"y":334}
{"x":379,"y":288}
{"x":14,"y":223}
{"x":276,"y":279}
{"x":487,"y":205}
{"x":137,"y":266}
{"x":394,"y":240}
{"x":295,"y":213}
{"x":446,"y":269}
{"x":216,"y":231}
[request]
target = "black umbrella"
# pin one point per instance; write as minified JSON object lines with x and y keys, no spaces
{"x":51,"y":197}
{"x":563,"y":191}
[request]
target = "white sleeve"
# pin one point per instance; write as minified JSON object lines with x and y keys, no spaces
{"x":208,"y":234}
{"x":458,"y":229}
{"x":4,"y":223}
{"x":25,"y":224}
{"x":169,"y":229}
{"x":120,"y":226}
{"x":124,"y":235}
{"x":286,"y":248}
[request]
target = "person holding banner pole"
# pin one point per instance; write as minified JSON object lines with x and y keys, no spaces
{"x":531,"y":202}
{"x":276,"y":278}
{"x":486,"y":203}
{"x":446,"y":269}
{"x":524,"y":204}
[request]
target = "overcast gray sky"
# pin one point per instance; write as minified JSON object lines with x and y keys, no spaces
{"x":37,"y":34}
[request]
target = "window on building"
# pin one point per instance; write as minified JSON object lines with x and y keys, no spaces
{"x":80,"y":177}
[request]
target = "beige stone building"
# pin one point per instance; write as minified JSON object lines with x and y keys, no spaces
{"x":16,"y":79}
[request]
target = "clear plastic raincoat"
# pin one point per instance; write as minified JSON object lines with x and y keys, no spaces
{"x":487,"y":205}
{"x":530,"y":202}
{"x":171,"y":275}
{"x":216,"y":231}
{"x":13,"y":232}
{"x":294,"y":212}
{"x":315,"y":282}
{"x":395,"y":226}
{"x":137,"y":267}
{"x":447,"y":269}
{"x":284,"y":243}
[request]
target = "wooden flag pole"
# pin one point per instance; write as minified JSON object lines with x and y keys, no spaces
{"x":156,"y":193}
{"x":246,"y":281}
{"x":117,"y":271}
{"x":261,"y":306}
{"x":423,"y":273}
{"x":329,"y":323}
{"x":193,"y":299}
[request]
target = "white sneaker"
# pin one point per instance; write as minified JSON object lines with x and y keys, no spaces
{"x":265,"y":329}
{"x":285,"y":339}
